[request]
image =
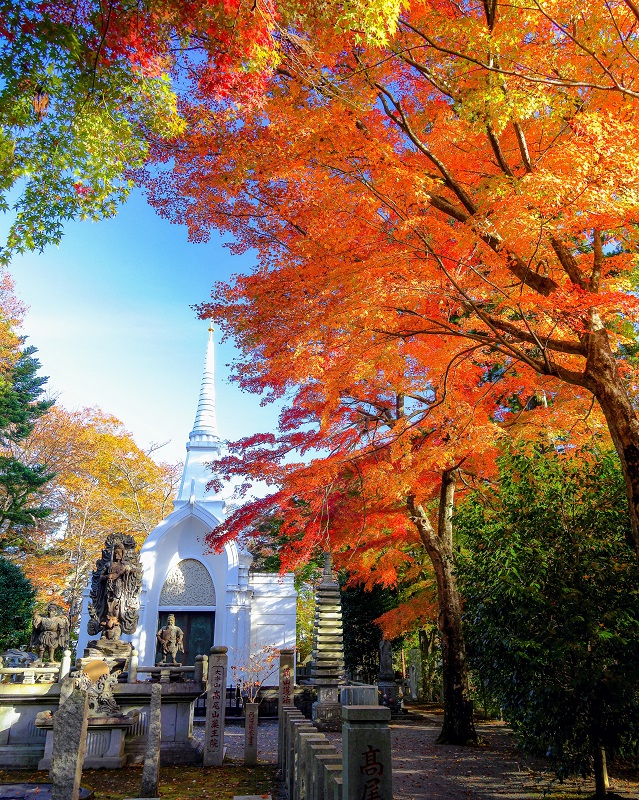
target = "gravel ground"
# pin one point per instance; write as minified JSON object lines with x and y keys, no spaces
{"x":423,"y":770}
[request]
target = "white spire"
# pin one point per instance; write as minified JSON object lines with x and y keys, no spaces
{"x":204,"y":445}
{"x":205,"y":417}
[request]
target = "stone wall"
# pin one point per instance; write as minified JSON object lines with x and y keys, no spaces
{"x":313,"y":769}
{"x":22,"y":743}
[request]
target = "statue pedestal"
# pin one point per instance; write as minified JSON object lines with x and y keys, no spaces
{"x":114,"y":653}
{"x":391,"y":695}
{"x":105,"y":740}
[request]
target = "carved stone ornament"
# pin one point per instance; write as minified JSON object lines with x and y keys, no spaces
{"x":188,"y":584}
{"x":116,"y":584}
{"x":100,"y":691}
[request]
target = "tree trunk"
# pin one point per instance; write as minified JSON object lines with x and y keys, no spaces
{"x":458,"y":727}
{"x":601,"y":773}
{"x":605,"y":382}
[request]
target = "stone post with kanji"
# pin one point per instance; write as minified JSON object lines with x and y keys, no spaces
{"x":286,"y":696}
{"x":215,"y":707}
{"x":287,"y":674}
{"x":366,"y":753}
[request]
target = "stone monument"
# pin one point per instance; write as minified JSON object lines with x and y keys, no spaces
{"x":215,"y":707}
{"x":327,"y":671}
{"x":386,"y":678}
{"x":69,"y":737}
{"x":170,"y":640}
{"x":50,"y":631}
{"x":151,"y":770}
{"x":116,"y":584}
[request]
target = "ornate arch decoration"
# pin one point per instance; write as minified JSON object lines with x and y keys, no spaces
{"x":188,"y":584}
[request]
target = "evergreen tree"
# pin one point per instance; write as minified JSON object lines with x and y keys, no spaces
{"x":21,"y":404}
{"x":18,"y":597}
{"x":551,"y":591}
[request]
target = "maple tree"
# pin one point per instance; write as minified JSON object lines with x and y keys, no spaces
{"x":103,"y":483}
{"x":85,"y":88}
{"x":381,"y":494}
{"x":445,"y":228}
{"x":468,"y":189}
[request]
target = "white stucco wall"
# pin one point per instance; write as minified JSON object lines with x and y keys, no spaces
{"x":273,"y":610}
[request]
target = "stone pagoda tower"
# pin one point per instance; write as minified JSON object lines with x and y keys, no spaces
{"x":327,"y":670}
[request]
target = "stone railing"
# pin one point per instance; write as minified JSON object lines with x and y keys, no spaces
{"x":166,"y":672}
{"x":313,"y":769}
{"x":30,"y":674}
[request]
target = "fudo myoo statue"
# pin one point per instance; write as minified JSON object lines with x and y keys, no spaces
{"x":116,"y":583}
{"x":50,"y":631}
{"x":170,"y":641}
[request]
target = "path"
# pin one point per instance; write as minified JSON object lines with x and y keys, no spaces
{"x":423,"y":770}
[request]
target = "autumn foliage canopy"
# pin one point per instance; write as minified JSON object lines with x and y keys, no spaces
{"x":445,"y":225}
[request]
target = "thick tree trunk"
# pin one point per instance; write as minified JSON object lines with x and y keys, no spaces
{"x":603,"y":379}
{"x":458,"y":727}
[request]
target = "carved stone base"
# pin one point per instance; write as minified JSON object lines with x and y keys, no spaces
{"x":327,"y":711}
{"x":327,"y":716}
{"x":105,"y":741}
{"x":111,"y":648}
{"x":391,"y":695}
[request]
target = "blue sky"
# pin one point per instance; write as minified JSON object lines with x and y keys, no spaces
{"x":109,"y":311}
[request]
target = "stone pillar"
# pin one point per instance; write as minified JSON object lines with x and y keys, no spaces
{"x":366,"y":753}
{"x":132,"y":673}
{"x":251,"y":722}
{"x":285,"y":699}
{"x":302,"y":739}
{"x":215,"y":708}
{"x":310,"y":751}
{"x":65,"y":666}
{"x":327,"y":671}
{"x":151,"y":770}
{"x":323,"y":759}
{"x":198,"y":672}
{"x":287,"y":671}
{"x":69,"y":745}
{"x":332,"y":774}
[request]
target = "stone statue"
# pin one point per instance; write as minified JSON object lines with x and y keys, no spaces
{"x":49,"y":631}
{"x":116,"y":583}
{"x":170,"y":640}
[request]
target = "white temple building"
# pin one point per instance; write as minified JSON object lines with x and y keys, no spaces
{"x":215,"y":597}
